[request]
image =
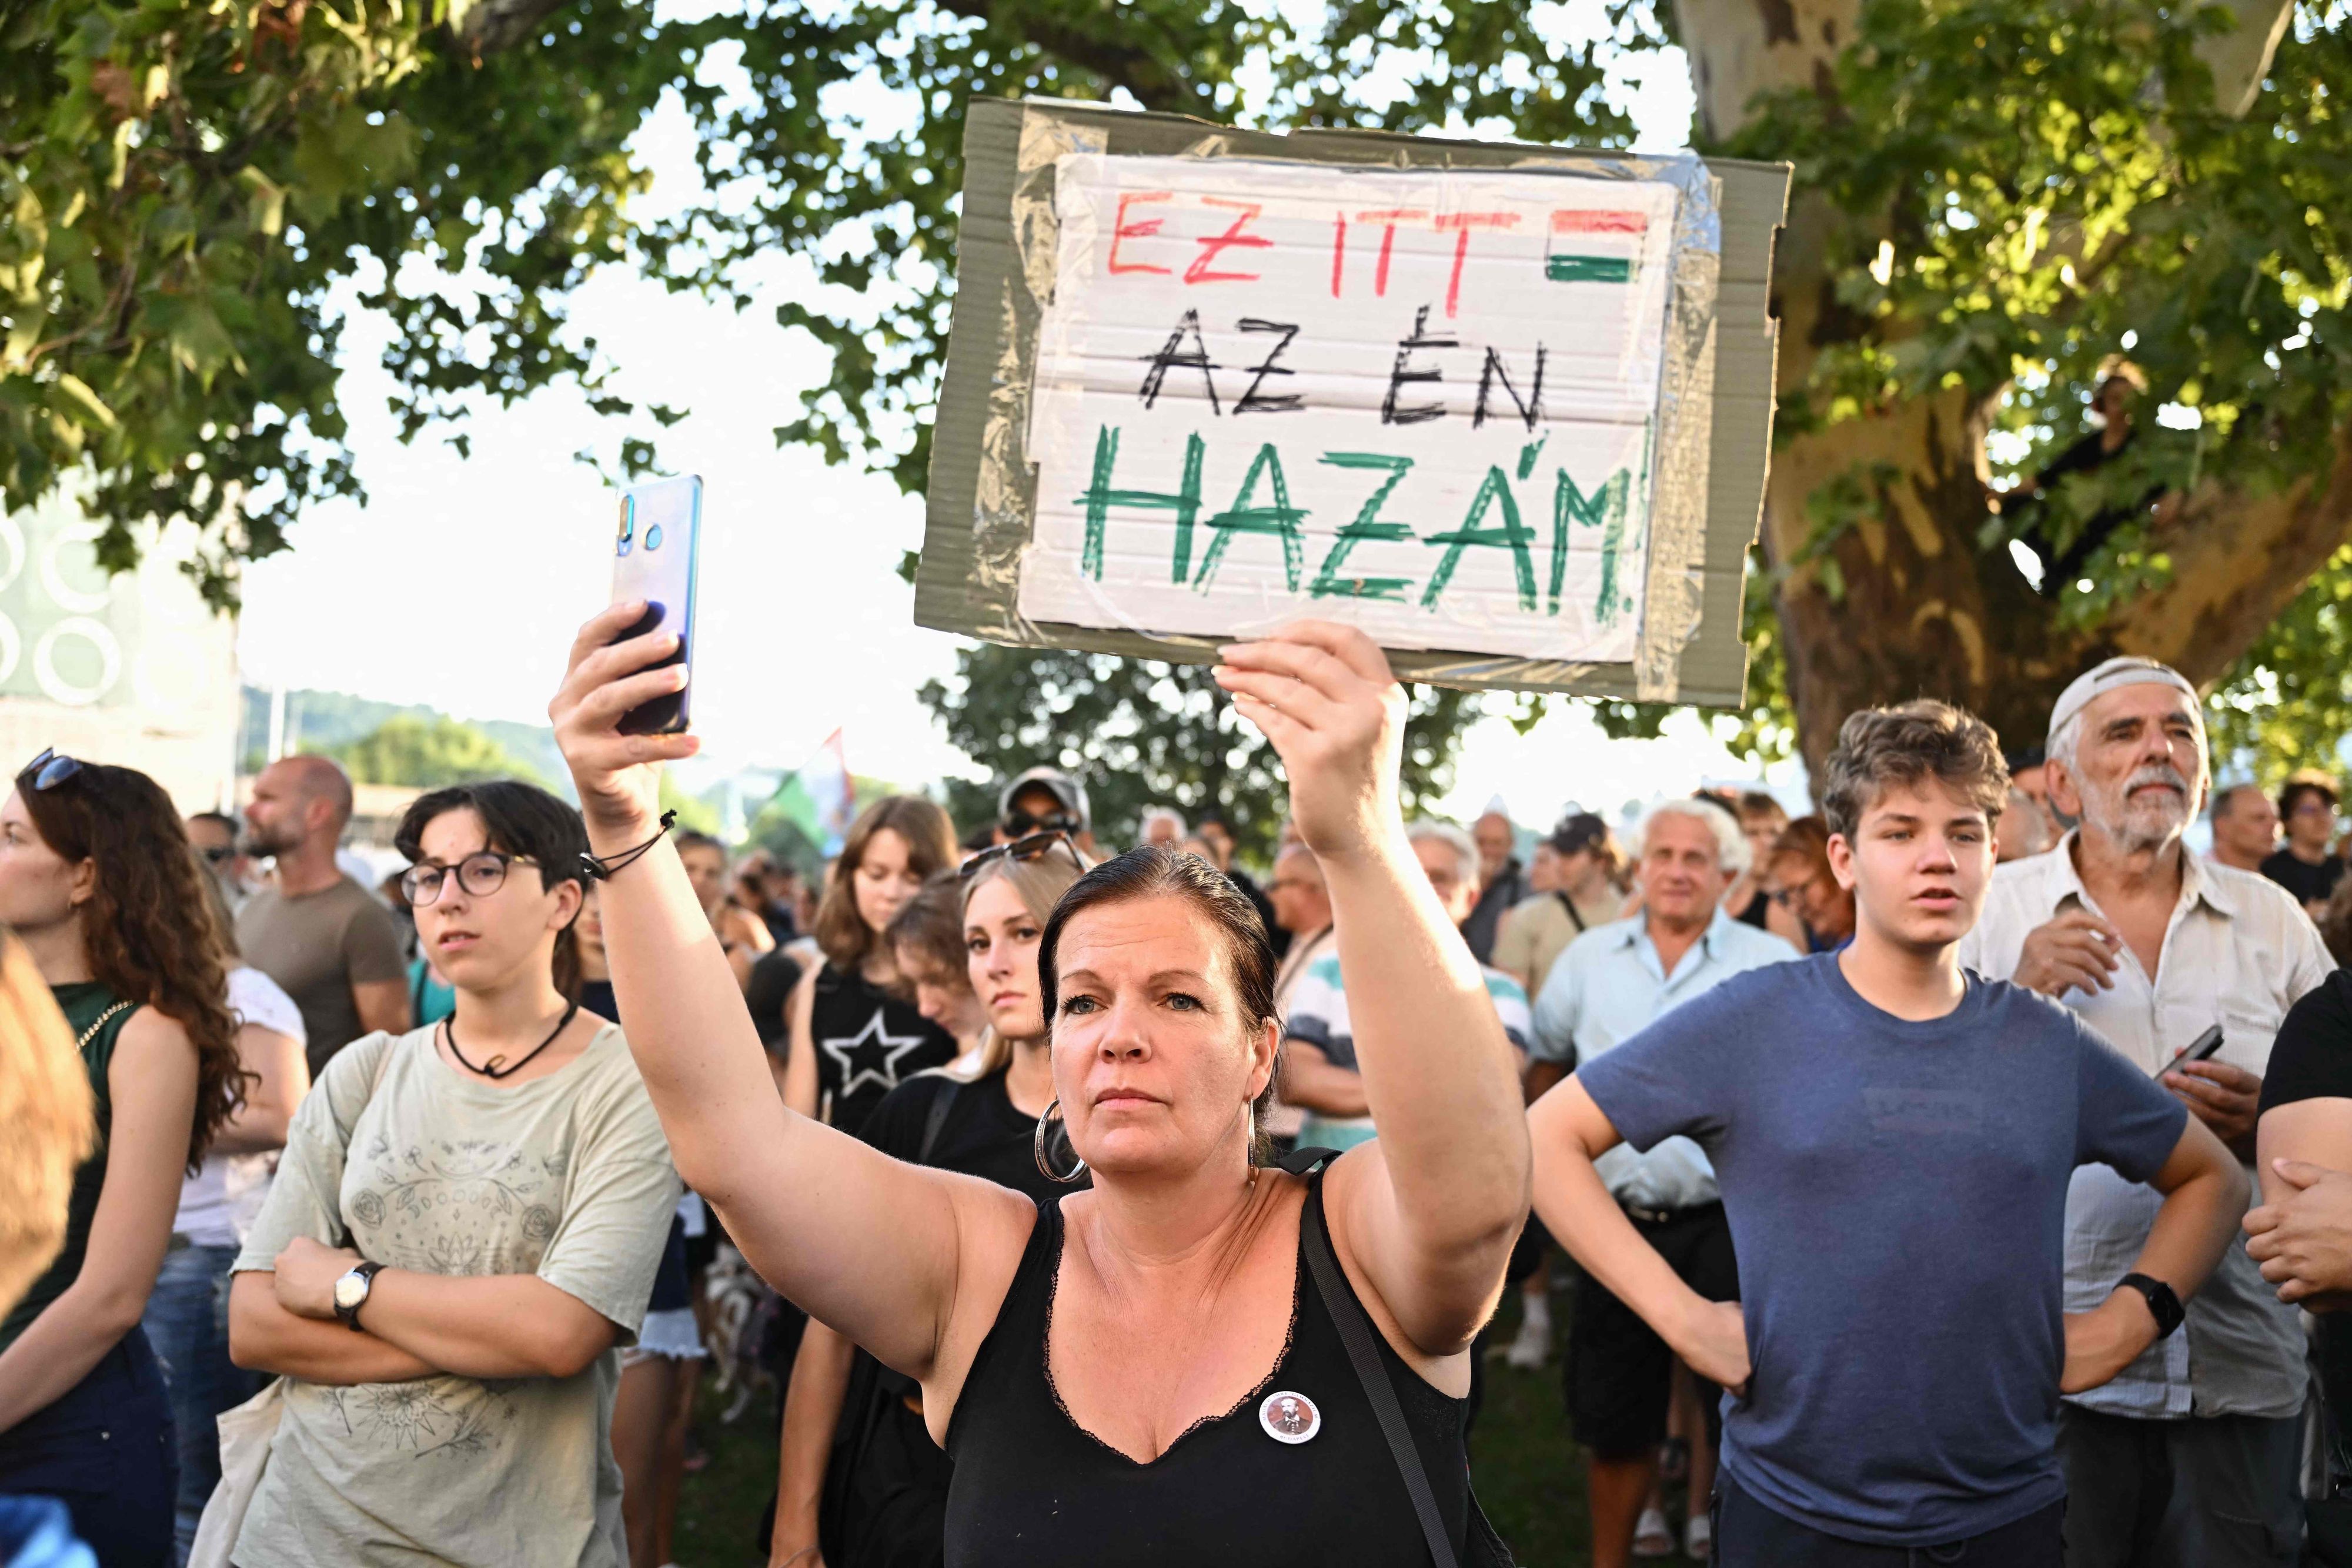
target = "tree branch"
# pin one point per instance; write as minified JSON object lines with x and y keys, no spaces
{"x":1155,"y":83}
{"x":2237,"y":561}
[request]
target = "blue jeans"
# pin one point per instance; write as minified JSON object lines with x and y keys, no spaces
{"x":187,"y":1320}
{"x":104,"y":1450}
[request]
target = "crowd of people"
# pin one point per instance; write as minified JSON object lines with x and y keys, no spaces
{"x":1959,"y":1173}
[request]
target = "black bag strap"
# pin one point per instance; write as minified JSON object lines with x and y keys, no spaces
{"x":1356,"y":1333}
{"x":936,"y":1117}
{"x":1569,"y":905}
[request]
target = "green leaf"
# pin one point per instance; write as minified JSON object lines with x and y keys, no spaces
{"x":86,"y":405}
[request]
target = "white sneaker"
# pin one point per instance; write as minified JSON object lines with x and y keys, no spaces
{"x":1532,"y":1345}
{"x":1698,"y":1539}
{"x":1653,"y":1537}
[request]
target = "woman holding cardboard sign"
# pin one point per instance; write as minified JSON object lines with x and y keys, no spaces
{"x":1196,"y":1359}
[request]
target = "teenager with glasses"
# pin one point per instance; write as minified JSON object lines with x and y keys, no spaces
{"x":1162,"y":1367}
{"x":461,"y":1238}
{"x":855,"y":1036}
{"x":98,"y":880}
{"x":860,"y":1479}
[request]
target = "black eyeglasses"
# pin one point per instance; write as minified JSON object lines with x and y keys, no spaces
{"x":1037,"y":846}
{"x":48,"y":770}
{"x":480,"y":874}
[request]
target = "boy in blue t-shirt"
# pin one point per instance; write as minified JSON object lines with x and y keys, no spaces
{"x":1893,"y":1138}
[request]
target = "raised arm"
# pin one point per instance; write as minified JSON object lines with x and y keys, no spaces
{"x":1429,"y":1211}
{"x":1570,"y":1132}
{"x":862,"y":1242}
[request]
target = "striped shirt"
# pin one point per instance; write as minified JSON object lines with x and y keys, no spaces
{"x":1319,"y":1015}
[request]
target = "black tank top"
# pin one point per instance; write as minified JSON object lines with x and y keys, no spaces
{"x":1033,"y":1490}
{"x":867,"y":1043}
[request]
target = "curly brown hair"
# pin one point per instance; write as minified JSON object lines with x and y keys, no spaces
{"x":148,"y":929}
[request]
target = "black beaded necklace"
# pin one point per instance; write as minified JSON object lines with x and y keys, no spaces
{"x":492,"y":1069}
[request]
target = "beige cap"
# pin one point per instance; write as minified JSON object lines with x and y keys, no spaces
{"x":2117,"y":672}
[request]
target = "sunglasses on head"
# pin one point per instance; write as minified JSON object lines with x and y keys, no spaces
{"x":1037,"y":846}
{"x":48,"y":770}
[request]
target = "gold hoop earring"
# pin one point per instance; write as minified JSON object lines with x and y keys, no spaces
{"x":1045,"y":1119}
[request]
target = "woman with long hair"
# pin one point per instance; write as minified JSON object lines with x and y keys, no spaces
{"x":859,"y":1479}
{"x":1199,"y":1359}
{"x":462,"y":1235}
{"x":98,"y":880}
{"x":854,"y":1035}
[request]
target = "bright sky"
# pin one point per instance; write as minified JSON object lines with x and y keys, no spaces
{"x":460,"y":584}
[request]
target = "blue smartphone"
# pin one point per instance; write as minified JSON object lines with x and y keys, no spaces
{"x":655,"y":550}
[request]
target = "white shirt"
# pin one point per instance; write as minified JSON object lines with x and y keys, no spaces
{"x":217,"y":1204}
{"x":2237,"y":951}
{"x":1610,"y":986}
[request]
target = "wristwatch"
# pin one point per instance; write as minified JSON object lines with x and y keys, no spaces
{"x":351,"y":1293}
{"x":2160,"y":1300}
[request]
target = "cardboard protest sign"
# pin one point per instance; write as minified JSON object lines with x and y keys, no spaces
{"x":1203,"y":382}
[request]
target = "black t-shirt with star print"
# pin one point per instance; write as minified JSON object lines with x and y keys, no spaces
{"x":867,"y":1043}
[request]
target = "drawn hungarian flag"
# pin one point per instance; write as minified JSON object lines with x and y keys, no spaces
{"x":1588,"y":246}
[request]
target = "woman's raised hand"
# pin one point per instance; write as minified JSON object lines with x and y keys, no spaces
{"x":617,"y":774}
{"x":1323,"y":695}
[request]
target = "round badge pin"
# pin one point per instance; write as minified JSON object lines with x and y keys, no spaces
{"x":1289,"y":1417}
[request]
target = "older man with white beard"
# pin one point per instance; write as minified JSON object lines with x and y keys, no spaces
{"x":2190,"y":1457}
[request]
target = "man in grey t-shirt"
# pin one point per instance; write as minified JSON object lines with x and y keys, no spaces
{"x":320,"y":935}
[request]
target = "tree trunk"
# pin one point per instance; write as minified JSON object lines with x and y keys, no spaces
{"x":1924,"y":612}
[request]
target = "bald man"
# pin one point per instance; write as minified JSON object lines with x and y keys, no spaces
{"x":316,"y":932}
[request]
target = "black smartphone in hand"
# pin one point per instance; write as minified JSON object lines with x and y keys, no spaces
{"x":2202,"y":1049}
